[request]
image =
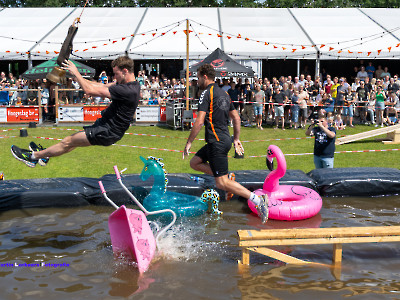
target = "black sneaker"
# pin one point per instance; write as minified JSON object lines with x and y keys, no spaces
{"x":33,"y":147}
{"x":24,"y":156}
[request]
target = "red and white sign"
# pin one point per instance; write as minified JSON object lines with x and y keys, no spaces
{"x":92,"y":113}
{"x":163,"y":116}
{"x":22,"y":114}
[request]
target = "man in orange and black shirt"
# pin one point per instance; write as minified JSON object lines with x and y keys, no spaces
{"x":215,"y":109}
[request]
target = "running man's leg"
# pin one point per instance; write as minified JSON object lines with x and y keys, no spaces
{"x":68,"y":144}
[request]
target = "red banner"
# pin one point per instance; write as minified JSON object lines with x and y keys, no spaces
{"x":22,"y":114}
{"x":92,"y":113}
{"x":163,"y":116}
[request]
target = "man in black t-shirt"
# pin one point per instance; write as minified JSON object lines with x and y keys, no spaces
{"x":215,"y":109}
{"x":324,"y":143}
{"x":362,"y":97}
{"x":107,"y":130}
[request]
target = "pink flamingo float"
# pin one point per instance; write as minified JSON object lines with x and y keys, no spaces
{"x":286,"y":202}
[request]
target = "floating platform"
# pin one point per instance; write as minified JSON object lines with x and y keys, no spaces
{"x":80,"y":191}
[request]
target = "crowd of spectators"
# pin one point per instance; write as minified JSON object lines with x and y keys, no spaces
{"x":372,"y":96}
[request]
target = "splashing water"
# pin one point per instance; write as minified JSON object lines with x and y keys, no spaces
{"x":188,"y":241}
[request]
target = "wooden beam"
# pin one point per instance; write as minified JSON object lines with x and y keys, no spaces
{"x":279,"y":255}
{"x":316,"y":241}
{"x":318,"y":232}
{"x":337,"y":253}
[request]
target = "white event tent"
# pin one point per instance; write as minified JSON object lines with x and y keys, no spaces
{"x":249,"y":34}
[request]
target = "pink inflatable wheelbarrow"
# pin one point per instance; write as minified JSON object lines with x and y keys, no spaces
{"x":131,"y":235}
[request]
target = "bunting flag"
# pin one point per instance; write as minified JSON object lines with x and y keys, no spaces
{"x":156,"y":34}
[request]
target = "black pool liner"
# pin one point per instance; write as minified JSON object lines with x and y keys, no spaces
{"x":80,"y":191}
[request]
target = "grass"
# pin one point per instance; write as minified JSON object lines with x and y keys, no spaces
{"x":96,"y":161}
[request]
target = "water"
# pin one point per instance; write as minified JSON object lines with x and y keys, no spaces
{"x":199,"y":258}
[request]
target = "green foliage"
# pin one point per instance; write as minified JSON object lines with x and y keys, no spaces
{"x":95,"y":161}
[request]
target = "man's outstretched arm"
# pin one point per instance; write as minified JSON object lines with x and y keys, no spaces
{"x":90,"y":87}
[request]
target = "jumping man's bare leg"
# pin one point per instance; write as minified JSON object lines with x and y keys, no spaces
{"x":68,"y":144}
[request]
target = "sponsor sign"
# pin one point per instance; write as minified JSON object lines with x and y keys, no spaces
{"x":92,"y":113}
{"x":23,"y":114}
{"x":3,"y":114}
{"x":70,"y":114}
{"x":148,"y":113}
{"x":163,"y":116}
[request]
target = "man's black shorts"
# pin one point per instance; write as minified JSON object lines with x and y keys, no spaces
{"x":101,"y":135}
{"x":217,"y":155}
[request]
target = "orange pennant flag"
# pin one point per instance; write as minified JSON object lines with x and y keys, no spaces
{"x":340,"y":51}
{"x":359,"y":52}
{"x":398,"y":45}
{"x":85,"y":50}
{"x":56,"y":52}
{"x":76,"y":50}
{"x":174,"y":32}
{"x":229,"y":37}
{"x":163,"y":33}
{"x":219,"y":35}
{"x":47,"y":52}
{"x":239,"y":36}
{"x":8,"y":51}
{"x":114,"y":42}
{"x":369,"y":53}
{"x":246,"y":39}
{"x":123,"y":38}
{"x":154,"y":33}
{"x":105,"y":44}
{"x":283,"y":48}
{"x":94,"y":47}
{"x":379,"y":51}
{"x":349,"y":51}
{"x":275,"y":47}
{"x":330,"y":48}
{"x":390,"y":48}
{"x":323,"y":45}
{"x":293,"y":50}
{"x":302,"y":47}
{"x":132,"y":34}
{"x":266,"y":44}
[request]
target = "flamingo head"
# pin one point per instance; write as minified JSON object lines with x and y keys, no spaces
{"x":275,"y":152}
{"x":270,"y":159}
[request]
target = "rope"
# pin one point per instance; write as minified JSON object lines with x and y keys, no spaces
{"x":79,"y":18}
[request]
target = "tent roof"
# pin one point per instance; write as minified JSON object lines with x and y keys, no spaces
{"x":255,"y":33}
{"x":224,"y":66}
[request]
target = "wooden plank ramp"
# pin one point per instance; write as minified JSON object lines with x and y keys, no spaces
{"x":366,"y":134}
{"x":259,"y":240}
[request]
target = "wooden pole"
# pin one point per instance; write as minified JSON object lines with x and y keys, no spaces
{"x":56,"y":102}
{"x":187,"y":64}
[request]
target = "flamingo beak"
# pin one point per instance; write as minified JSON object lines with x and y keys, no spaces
{"x":270,"y":163}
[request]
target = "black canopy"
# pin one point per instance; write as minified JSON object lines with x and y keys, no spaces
{"x":224,"y":66}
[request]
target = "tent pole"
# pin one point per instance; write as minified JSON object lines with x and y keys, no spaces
{"x":29,"y":61}
{"x":317,"y":66}
{"x":298,"y":68}
{"x":187,"y":64}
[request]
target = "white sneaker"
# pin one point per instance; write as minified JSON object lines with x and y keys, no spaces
{"x":262,"y":208}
